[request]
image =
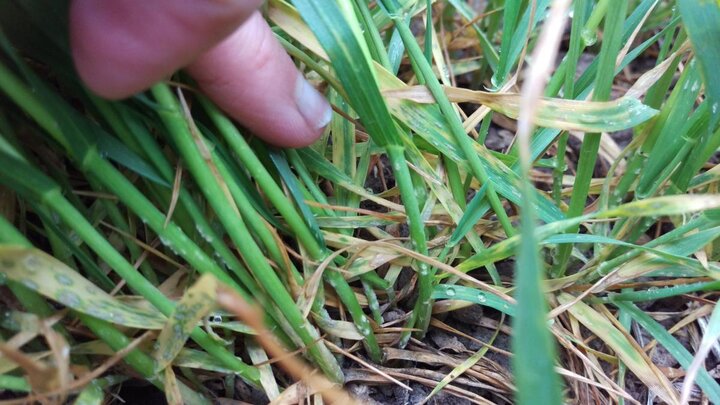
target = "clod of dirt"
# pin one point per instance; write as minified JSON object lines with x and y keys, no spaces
{"x":446,"y":342}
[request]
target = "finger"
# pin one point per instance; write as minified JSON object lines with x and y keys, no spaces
{"x":250,"y":76}
{"x":122,"y":47}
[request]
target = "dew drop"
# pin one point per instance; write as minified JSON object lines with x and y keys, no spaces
{"x":168,"y":244}
{"x":481,"y":297}
{"x":450,"y":292}
{"x":204,"y":235}
{"x":589,"y":37}
{"x":75,"y":238}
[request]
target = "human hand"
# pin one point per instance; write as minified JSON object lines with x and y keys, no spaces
{"x":123,"y":47}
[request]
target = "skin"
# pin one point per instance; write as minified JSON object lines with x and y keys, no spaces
{"x":123,"y":47}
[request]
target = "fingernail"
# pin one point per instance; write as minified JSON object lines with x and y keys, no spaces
{"x":311,"y":104}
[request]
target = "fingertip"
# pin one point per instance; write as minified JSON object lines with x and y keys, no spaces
{"x":312,"y":105}
{"x":252,"y":79}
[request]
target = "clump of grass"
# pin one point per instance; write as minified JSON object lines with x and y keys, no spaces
{"x":154,"y":239}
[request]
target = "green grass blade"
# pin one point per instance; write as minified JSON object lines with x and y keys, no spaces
{"x":293,"y":186}
{"x":535,"y":353}
{"x":702,"y":22}
{"x":511,"y":11}
{"x":119,"y":153}
{"x":518,"y":40}
{"x":653,"y":294}
{"x":484,"y":298}
{"x":14,"y":383}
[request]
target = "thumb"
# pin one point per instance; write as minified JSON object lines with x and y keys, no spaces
{"x":250,"y":76}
